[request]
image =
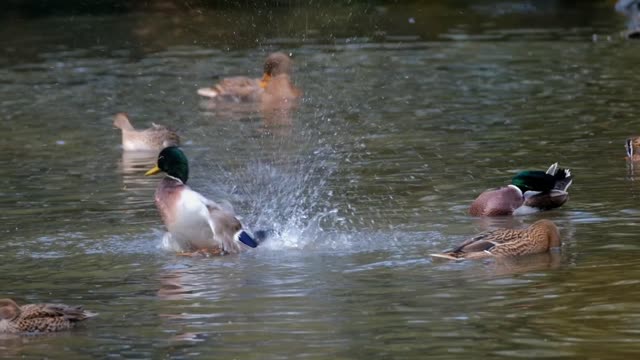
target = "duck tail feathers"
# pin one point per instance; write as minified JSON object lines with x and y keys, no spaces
{"x":245,"y":238}
{"x":563,"y":179}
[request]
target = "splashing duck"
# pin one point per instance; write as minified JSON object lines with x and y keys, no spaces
{"x":275,"y":80}
{"x":529,"y":192}
{"x":39,"y":318}
{"x":195,"y":224}
{"x":542,"y":236}
{"x":155,"y":138}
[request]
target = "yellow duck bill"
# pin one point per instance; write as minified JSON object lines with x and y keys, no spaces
{"x":153,"y":171}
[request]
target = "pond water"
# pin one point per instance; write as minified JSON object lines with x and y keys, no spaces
{"x":409,"y":112}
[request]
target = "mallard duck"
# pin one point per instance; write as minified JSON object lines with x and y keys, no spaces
{"x":195,"y":224}
{"x":40,"y":318}
{"x":529,"y":192}
{"x":245,"y":89}
{"x":633,"y":145}
{"x":154,"y":138}
{"x":540,"y":237}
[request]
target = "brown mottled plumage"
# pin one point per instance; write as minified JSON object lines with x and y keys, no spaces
{"x":540,"y":237}
{"x":40,"y":318}
{"x":154,"y":138}
{"x":633,"y":145}
{"x":245,"y":89}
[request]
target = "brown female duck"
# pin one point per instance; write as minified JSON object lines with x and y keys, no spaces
{"x":40,"y":318}
{"x":540,"y":237}
{"x":245,"y":89}
{"x":154,"y":138}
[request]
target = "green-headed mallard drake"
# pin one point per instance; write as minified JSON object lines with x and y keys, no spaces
{"x":155,"y":138}
{"x":633,"y":145}
{"x":41,"y":318}
{"x":540,"y":237}
{"x":195,"y":224}
{"x":245,"y":89}
{"x":530,"y":191}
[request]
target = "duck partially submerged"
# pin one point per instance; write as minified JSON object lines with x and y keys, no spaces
{"x":246,"y":89}
{"x":195,"y":224}
{"x":632,"y":145}
{"x":530,"y":191}
{"x":155,"y":138}
{"x":39,"y":318}
{"x":542,"y":236}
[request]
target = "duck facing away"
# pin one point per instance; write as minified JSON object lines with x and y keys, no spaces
{"x":39,"y":318}
{"x":245,"y":89}
{"x":530,"y":191}
{"x":155,"y":138}
{"x":632,"y":145}
{"x":540,"y":237}
{"x":195,"y":224}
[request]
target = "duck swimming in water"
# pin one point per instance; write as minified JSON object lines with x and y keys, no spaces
{"x":540,"y":237}
{"x":39,"y":318}
{"x":195,"y":224}
{"x":530,"y":191}
{"x":155,"y":138}
{"x":244,"y":89}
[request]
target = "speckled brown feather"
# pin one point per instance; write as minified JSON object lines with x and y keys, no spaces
{"x":497,"y":202}
{"x":155,"y":138}
{"x":537,"y":238}
{"x":39,"y":317}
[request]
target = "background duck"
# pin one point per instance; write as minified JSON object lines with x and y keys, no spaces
{"x":40,"y":318}
{"x":632,"y":145}
{"x":195,"y":224}
{"x":529,"y":192}
{"x":154,"y":138}
{"x":540,"y":237}
{"x":245,"y":89}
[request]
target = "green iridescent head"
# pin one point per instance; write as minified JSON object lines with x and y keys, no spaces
{"x":173,"y":162}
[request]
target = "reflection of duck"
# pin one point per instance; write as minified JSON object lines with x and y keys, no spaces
{"x":195,"y":223}
{"x":529,"y":191}
{"x":245,"y":89}
{"x":154,"y":138}
{"x":39,"y":317}
{"x":540,"y":237}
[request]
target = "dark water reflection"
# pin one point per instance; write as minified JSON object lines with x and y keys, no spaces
{"x":402,"y":125}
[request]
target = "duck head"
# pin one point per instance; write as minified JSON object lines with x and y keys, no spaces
{"x":9,"y":310}
{"x":173,"y":162}
{"x":276,"y":64}
{"x":121,"y":121}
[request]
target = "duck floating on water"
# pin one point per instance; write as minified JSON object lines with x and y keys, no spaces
{"x":632,"y":145}
{"x":275,"y":80}
{"x":529,"y":192}
{"x":155,"y":138}
{"x":195,"y":224}
{"x":39,"y":318}
{"x":542,"y":236}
